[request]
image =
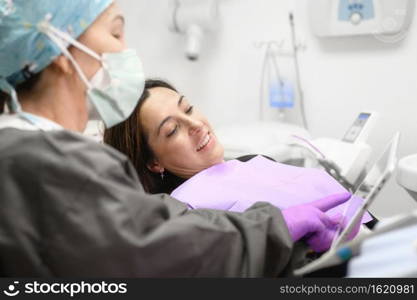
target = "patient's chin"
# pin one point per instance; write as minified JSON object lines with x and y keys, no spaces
{"x":218,"y":154}
{"x":214,"y":161}
{"x":213,"y":152}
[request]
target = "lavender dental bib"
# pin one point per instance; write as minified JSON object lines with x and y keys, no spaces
{"x":235,"y":186}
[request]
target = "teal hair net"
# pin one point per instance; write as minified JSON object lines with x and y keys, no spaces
{"x":24,"y":49}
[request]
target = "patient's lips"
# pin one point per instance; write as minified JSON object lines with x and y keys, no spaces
{"x":206,"y":142}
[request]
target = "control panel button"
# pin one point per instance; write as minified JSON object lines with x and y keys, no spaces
{"x":355,"y":18}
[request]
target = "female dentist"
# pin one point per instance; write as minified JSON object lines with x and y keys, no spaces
{"x":71,"y":207}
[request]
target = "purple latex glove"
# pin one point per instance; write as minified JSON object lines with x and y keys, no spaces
{"x":309,"y":221}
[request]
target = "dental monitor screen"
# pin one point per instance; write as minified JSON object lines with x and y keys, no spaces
{"x":357,"y":128}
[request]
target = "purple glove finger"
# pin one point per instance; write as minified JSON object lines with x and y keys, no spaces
{"x":330,"y":221}
{"x":300,"y":220}
{"x":310,"y":220}
{"x":322,"y":240}
{"x":336,"y":218}
{"x":341,"y":222}
{"x":305,"y":220}
{"x":329,"y":202}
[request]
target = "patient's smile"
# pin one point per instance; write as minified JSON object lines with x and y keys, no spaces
{"x":203,"y":145}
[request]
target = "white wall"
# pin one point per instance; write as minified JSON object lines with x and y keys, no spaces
{"x":341,"y":77}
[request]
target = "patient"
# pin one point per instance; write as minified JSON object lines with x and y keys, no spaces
{"x":167,"y":139}
{"x":172,"y":145}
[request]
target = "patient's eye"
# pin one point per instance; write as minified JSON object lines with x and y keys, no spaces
{"x":173,"y":131}
{"x":189,"y":111}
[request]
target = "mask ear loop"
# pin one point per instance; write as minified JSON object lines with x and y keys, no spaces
{"x":69,"y":39}
{"x":57,"y":36}
{"x":72,"y":60}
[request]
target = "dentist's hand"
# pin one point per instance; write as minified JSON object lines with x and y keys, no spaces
{"x":309,"y":221}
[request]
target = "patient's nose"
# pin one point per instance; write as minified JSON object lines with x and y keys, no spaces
{"x":195,"y":126}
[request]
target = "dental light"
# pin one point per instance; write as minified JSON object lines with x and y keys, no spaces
{"x":193,"y":19}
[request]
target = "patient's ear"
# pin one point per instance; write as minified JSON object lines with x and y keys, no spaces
{"x":155,"y":167}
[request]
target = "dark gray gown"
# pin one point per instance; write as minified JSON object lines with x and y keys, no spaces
{"x":72,"y":207}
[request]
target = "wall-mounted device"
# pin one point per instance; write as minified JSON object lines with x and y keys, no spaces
{"x":332,"y":18}
{"x":193,"y":19}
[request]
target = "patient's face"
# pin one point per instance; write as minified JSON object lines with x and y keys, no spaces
{"x":180,"y":137}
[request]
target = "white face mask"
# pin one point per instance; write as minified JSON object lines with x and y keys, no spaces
{"x":114,"y":90}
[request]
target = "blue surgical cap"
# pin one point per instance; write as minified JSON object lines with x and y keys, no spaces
{"x":24,"y":50}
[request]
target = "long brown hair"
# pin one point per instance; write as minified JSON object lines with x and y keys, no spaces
{"x":130,"y":138}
